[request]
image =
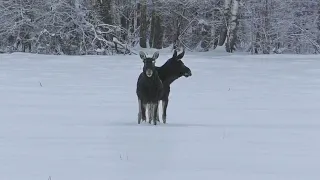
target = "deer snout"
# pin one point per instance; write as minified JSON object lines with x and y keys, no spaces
{"x":149,"y":72}
{"x":188,"y":73}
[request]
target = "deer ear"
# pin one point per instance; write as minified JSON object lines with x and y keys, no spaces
{"x":155,"y":55}
{"x":180,"y":56}
{"x":174,"y":54}
{"x":142,"y":55}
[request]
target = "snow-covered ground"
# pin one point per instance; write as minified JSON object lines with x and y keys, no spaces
{"x":239,"y":117}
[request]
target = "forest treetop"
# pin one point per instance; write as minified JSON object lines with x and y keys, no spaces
{"x":115,"y":26}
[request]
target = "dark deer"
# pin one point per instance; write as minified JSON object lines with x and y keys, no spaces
{"x":173,"y":69}
{"x":149,"y":89}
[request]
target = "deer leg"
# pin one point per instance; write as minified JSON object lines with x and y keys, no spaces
{"x":143,"y":111}
{"x":158,"y":119}
{"x":155,"y":112}
{"x":150,"y":112}
{"x":164,"y":110}
{"x":139,"y":113}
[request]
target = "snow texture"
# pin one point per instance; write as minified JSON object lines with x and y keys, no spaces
{"x":239,"y":117}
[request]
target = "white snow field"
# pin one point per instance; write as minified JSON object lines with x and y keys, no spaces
{"x":239,"y":117}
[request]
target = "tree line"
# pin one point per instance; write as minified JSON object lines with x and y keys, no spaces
{"x":78,"y":27}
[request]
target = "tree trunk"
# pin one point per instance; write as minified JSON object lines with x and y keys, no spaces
{"x":225,"y":24}
{"x":134,"y":24}
{"x":257,"y":42}
{"x":158,"y":33}
{"x":318,"y":25}
{"x":176,"y":38}
{"x":143,"y":24}
{"x":266,"y":17}
{"x":105,"y":11}
{"x":232,"y":34}
{"x":152,"y":33}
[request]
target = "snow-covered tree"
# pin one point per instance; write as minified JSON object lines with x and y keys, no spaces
{"x":116,"y":26}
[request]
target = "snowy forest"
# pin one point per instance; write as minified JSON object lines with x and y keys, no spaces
{"x":105,"y":27}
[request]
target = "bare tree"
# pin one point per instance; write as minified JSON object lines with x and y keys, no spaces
{"x":143,"y":24}
{"x":232,"y":30}
{"x":116,"y":26}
